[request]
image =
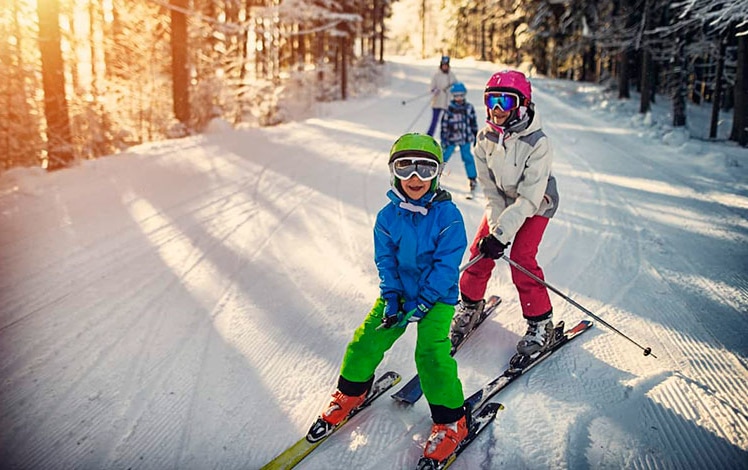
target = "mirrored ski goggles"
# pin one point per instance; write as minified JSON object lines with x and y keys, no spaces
{"x":425,"y":169}
{"x":505,"y":100}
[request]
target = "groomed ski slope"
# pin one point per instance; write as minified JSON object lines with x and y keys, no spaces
{"x":186,"y":304}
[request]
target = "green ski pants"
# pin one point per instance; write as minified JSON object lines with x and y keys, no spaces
{"x":437,"y":369}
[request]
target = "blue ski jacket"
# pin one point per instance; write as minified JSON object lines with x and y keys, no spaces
{"x":418,"y":248}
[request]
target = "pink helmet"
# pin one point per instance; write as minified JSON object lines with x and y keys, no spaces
{"x":511,"y":80}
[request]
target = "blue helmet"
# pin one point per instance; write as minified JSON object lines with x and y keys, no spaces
{"x":444,"y":60}
{"x":458,"y":87}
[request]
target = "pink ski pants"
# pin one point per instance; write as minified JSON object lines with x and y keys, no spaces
{"x":524,"y":248}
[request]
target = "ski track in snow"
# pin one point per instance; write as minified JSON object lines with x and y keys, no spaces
{"x":187,"y":304}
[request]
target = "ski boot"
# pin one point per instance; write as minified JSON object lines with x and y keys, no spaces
{"x":467,"y":316}
{"x":341,"y":406}
{"x":338,"y":411}
{"x":539,"y":337}
{"x":472,"y":184}
{"x":445,"y":438}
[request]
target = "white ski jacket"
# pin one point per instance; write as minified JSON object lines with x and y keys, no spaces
{"x":515,"y":174}
{"x":440,"y":84}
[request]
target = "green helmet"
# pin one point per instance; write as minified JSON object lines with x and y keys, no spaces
{"x":416,"y":145}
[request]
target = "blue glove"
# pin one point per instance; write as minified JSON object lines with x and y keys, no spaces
{"x":392,"y":313}
{"x":414,"y":311}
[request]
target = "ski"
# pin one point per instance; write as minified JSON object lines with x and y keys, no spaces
{"x":479,"y":421}
{"x":411,"y":392}
{"x":477,"y":399}
{"x":320,"y":430}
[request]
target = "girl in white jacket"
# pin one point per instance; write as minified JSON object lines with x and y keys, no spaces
{"x":513,"y":158}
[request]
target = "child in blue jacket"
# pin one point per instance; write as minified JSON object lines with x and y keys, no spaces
{"x":419,"y":241}
{"x":459,"y":128}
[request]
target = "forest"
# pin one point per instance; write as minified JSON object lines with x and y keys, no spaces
{"x":87,"y":78}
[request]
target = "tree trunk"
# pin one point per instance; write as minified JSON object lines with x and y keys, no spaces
{"x":59,"y":146}
{"x":179,"y":61}
{"x":590,"y":63}
{"x":483,"y":34}
{"x":646,"y":82}
{"x":319,"y":56}
{"x":113,"y":31}
{"x":717,"y":95}
{"x":623,"y":75}
{"x":374,"y":22}
{"x":381,"y":32}
{"x":681,"y":85}
{"x":740,"y":116}
{"x":423,"y":29}
{"x":343,"y":47}
{"x":261,"y":55}
{"x":491,"y":35}
{"x":93,"y":16}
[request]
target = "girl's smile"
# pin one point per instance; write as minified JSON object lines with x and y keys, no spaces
{"x":498,"y":116}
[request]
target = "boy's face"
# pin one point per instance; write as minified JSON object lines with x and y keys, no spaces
{"x":414,"y":187}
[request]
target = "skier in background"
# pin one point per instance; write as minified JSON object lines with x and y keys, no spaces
{"x":440,"y":83}
{"x":419,"y":241}
{"x":459,"y":128}
{"x":513,"y":158}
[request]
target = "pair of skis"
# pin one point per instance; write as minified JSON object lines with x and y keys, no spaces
{"x":316,"y":436}
{"x":486,"y":411}
{"x":482,"y":415}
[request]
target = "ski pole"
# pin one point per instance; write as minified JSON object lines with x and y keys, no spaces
{"x":479,"y":257}
{"x":415,"y":98}
{"x":647,"y":351}
{"x":410,"y":127}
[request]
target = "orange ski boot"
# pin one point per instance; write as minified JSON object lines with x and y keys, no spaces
{"x":444,"y":439}
{"x":341,"y":406}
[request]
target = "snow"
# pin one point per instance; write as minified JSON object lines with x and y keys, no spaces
{"x":186,"y":304}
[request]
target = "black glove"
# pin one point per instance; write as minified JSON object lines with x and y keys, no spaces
{"x":491,"y":247}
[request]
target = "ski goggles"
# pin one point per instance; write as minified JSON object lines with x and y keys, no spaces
{"x":505,"y":100}
{"x":424,"y":168}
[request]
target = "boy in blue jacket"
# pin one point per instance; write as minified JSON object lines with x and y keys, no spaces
{"x":419,"y":241}
{"x":459,"y":128}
